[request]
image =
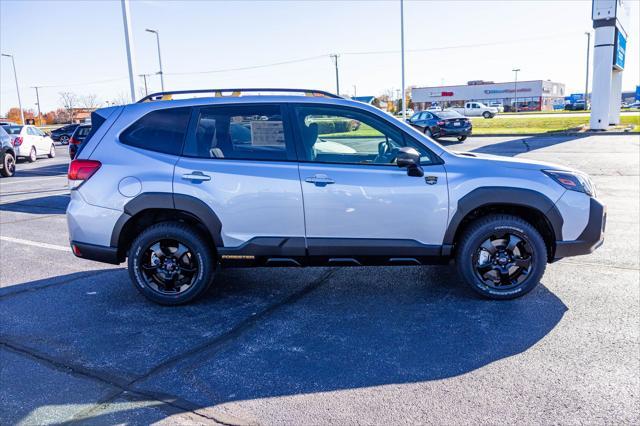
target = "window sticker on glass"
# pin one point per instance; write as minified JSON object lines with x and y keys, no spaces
{"x":267,"y":133}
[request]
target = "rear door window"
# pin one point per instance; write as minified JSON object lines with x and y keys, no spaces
{"x":161,"y":131}
{"x":241,"y":132}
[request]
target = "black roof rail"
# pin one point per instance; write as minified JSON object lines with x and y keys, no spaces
{"x":166,"y":95}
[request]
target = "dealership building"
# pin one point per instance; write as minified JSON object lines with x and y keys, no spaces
{"x":533,"y":95}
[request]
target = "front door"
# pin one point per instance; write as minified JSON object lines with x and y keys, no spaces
{"x":357,"y":201}
{"x":240,"y":161}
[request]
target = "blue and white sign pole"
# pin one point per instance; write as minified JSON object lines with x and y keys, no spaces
{"x":609,"y":21}
{"x":126,"y":20}
{"x":404,"y":97}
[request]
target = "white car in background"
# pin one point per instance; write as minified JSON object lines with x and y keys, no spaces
{"x":29,"y":142}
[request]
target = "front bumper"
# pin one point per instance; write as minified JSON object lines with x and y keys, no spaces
{"x":590,"y":239}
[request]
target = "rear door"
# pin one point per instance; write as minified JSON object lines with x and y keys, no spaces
{"x":240,"y":160}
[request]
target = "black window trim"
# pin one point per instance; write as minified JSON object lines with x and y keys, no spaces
{"x":289,"y":139}
{"x":435,"y":159}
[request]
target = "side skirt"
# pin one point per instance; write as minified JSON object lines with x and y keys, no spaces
{"x":292,"y":251}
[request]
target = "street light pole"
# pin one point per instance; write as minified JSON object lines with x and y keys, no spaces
{"x":126,"y":20}
{"x":515,"y":91}
{"x":586,"y":83}
{"x":335,"y":58}
{"x":404,"y":98}
{"x":15,"y":76}
{"x":38,"y":103}
{"x":157,"y":33}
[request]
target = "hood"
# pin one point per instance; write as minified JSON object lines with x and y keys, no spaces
{"x":511,"y":162}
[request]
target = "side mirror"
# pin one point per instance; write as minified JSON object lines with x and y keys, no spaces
{"x":409,"y":158}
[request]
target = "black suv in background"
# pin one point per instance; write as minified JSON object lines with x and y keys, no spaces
{"x":64,"y":133}
{"x":77,"y":138}
{"x":7,"y":155}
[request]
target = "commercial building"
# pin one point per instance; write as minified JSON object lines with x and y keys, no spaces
{"x":533,"y":95}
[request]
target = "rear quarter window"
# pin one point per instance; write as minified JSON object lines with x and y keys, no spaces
{"x":161,"y":131}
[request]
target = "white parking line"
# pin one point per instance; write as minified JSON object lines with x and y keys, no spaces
{"x":34,"y":243}
{"x":24,"y":179}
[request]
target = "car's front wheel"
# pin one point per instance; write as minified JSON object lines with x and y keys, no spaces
{"x":462,"y":138}
{"x":64,"y":139}
{"x":501,"y":256}
{"x":8,"y":165}
{"x":171,"y":264}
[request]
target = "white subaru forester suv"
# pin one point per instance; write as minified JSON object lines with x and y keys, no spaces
{"x":284,"y":177}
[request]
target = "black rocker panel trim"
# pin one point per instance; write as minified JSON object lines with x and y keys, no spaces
{"x":357,"y":247}
{"x":496,"y":195}
{"x":168,"y":201}
{"x":268,"y":246}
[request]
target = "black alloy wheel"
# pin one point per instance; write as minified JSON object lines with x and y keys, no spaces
{"x":169,"y":267}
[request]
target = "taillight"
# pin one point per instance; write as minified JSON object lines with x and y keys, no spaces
{"x":81,"y":170}
{"x":17,"y":141}
{"x":74,"y":141}
{"x":440,"y":123}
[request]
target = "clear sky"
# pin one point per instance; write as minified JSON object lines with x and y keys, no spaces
{"x":79,"y":45}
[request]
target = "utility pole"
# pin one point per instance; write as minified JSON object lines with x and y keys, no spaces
{"x":15,"y":76}
{"x":515,"y":91}
{"x":586,"y":83}
{"x":404,"y":98}
{"x":354,"y":91}
{"x":157,"y":33}
{"x":38,"y":103}
{"x":128,"y":36}
{"x":144,"y":77}
{"x":335,"y":58}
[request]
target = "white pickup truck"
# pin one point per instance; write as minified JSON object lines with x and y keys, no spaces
{"x":477,"y":109}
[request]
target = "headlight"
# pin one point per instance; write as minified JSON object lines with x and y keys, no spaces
{"x":572,"y":181}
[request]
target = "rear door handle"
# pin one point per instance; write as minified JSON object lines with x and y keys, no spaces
{"x":196,"y":177}
{"x":320,"y":180}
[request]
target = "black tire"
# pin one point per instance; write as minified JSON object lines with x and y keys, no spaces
{"x":150,"y":280}
{"x":472,"y":258}
{"x":33,"y":156}
{"x":8,"y":165}
{"x":64,"y":140}
{"x":487,"y":114}
{"x":462,"y":138}
{"x":52,"y":152}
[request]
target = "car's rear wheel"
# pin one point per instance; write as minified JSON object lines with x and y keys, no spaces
{"x":52,"y":151}
{"x":462,"y":138}
{"x":64,"y":139}
{"x":171,"y":264}
{"x":501,"y":256}
{"x":32,"y":155}
{"x":8,"y":165}
{"x":427,"y":132}
{"x":487,"y":114}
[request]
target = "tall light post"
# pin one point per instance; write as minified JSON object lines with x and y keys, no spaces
{"x":515,"y":88}
{"x":157,"y":33}
{"x":15,"y":76}
{"x":335,"y":56}
{"x":38,"y":103}
{"x":586,"y":83}
{"x":126,"y":20}
{"x":404,"y":98}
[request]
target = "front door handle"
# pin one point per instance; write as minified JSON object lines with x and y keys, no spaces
{"x":196,"y":177}
{"x":320,"y":180}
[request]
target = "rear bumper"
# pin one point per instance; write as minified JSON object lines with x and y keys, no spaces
{"x":94,"y":252}
{"x":590,"y":239}
{"x":463,"y":131}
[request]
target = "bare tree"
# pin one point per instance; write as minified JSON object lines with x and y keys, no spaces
{"x":90,"y":101}
{"x":69,"y":101}
{"x":120,"y":99}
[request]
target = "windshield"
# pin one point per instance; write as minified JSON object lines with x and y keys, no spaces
{"x":450,"y":114}
{"x":12,"y":130}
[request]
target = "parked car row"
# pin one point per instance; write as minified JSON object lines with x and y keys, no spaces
{"x":27,"y":142}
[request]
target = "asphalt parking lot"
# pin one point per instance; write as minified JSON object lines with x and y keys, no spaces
{"x":386,"y":345}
